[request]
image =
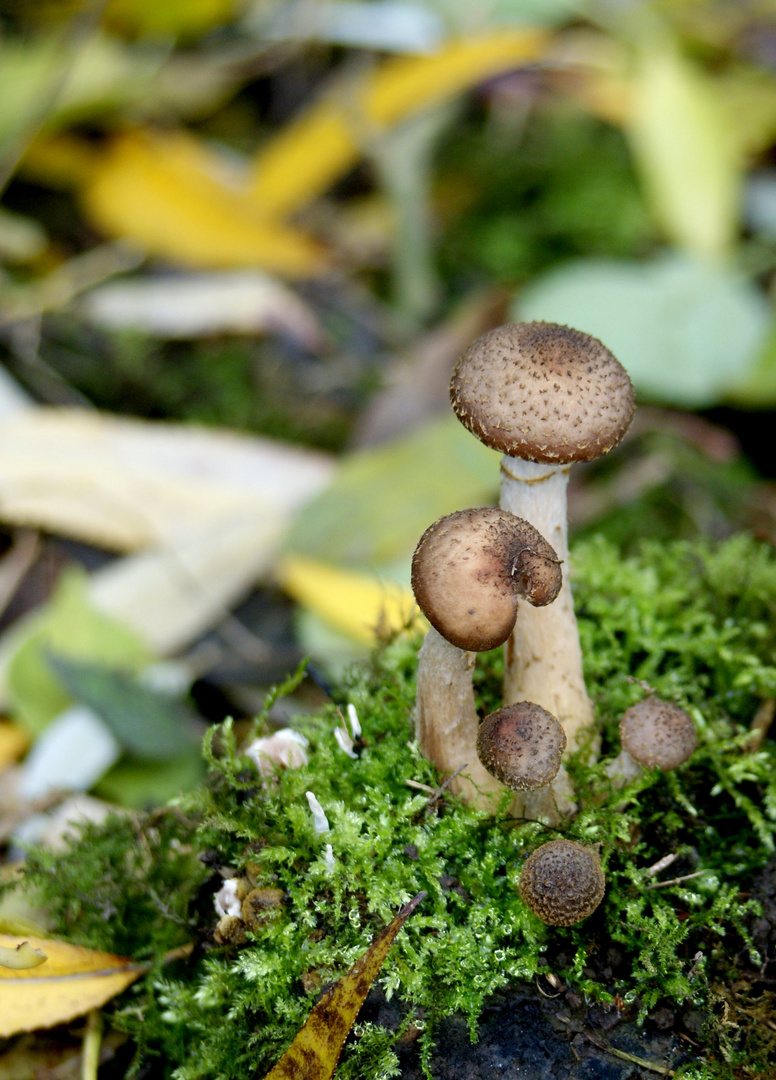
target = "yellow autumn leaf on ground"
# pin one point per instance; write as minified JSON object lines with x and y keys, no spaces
{"x":14,"y":740}
{"x":168,"y":194}
{"x":361,"y":606}
{"x":69,"y":983}
{"x":314,"y":1053}
{"x":311,"y":153}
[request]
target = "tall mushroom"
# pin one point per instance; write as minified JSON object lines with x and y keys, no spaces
{"x":469,"y":571}
{"x":545,"y":396}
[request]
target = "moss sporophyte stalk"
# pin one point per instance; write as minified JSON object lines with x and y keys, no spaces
{"x":696,"y":623}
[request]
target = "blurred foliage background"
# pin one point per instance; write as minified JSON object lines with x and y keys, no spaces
{"x":283,"y":220}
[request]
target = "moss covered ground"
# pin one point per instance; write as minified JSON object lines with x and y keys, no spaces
{"x":695,"y":623}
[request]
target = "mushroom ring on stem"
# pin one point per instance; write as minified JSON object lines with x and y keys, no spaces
{"x":469,"y":571}
{"x":545,"y":396}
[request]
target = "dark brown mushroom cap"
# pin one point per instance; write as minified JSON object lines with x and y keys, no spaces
{"x":521,"y":745}
{"x":542,"y":392}
{"x":562,"y":882}
{"x":658,"y":734}
{"x":470,"y":569}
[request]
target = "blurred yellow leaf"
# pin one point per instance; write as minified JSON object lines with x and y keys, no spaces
{"x":14,"y":740}
{"x":314,"y":1053}
{"x":308,"y":155}
{"x":171,"y":196}
{"x":184,"y":18}
{"x":684,"y":144}
{"x":70,"y":982}
{"x":358,"y":605}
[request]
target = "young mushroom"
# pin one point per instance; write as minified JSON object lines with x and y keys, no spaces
{"x":469,"y":571}
{"x":562,"y":882}
{"x":654,"y":734}
{"x":522,"y":745}
{"x":545,"y":396}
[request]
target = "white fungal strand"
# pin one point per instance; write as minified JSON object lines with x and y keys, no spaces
{"x":344,"y":742}
{"x":320,"y":821}
{"x":328,"y":857}
{"x":286,"y":749}
{"x":226,"y":900}
{"x":355,"y":726}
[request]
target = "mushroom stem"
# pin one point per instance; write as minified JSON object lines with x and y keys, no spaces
{"x":543,"y":660}
{"x":551,"y":805}
{"x":446,"y":721}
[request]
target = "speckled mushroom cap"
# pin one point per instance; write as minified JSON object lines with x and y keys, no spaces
{"x":521,"y":745}
{"x":542,"y":392}
{"x":658,"y":734}
{"x":562,"y":882}
{"x":470,"y":569}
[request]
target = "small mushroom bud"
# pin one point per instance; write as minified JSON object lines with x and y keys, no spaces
{"x":655,"y":734}
{"x":521,"y":745}
{"x":469,"y":571}
{"x":562,"y":882}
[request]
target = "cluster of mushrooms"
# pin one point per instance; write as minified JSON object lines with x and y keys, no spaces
{"x":545,"y":396}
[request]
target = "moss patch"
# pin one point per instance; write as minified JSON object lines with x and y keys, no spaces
{"x":695,"y":623}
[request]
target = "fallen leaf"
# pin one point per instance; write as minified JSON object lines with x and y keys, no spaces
{"x":314,"y":1053}
{"x":311,"y":153}
{"x":72,"y":981}
{"x":169,"y":194}
{"x":198,"y":305}
{"x":361,"y":606}
{"x":684,"y":144}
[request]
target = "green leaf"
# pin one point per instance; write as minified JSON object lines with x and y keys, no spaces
{"x":150,"y":725}
{"x":382,"y":499}
{"x":70,"y":628}
{"x":151,"y":783}
{"x":687,"y":332}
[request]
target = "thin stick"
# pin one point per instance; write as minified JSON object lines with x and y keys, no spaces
{"x":675,"y":881}
{"x":663,"y":1070}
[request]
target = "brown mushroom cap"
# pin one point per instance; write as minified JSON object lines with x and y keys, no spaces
{"x":562,"y":882}
{"x":542,"y":392}
{"x":521,"y":745}
{"x":471,"y":567}
{"x":658,"y":734}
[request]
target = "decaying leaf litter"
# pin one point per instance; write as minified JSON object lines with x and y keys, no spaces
{"x":199,"y":517}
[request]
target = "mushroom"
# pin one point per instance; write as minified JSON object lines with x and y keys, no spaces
{"x":522,"y":746}
{"x":562,"y":882}
{"x":469,"y":571}
{"x":654,"y":734}
{"x":545,"y":396}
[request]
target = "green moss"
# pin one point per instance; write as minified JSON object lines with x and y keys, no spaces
{"x":694,"y":622}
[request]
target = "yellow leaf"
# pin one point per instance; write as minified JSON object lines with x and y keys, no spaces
{"x":69,"y":983}
{"x":314,"y":1053}
{"x":684,"y":144}
{"x":14,"y":740}
{"x":358,"y":605}
{"x":308,"y":155}
{"x":168,"y":194}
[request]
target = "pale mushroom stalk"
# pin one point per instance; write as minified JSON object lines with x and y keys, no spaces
{"x":543,"y":654}
{"x":446,"y":721}
{"x":469,"y":570}
{"x":545,"y":396}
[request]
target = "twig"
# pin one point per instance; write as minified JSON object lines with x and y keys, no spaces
{"x":675,"y":881}
{"x":661,"y":864}
{"x":663,"y":1070}
{"x":760,"y":726}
